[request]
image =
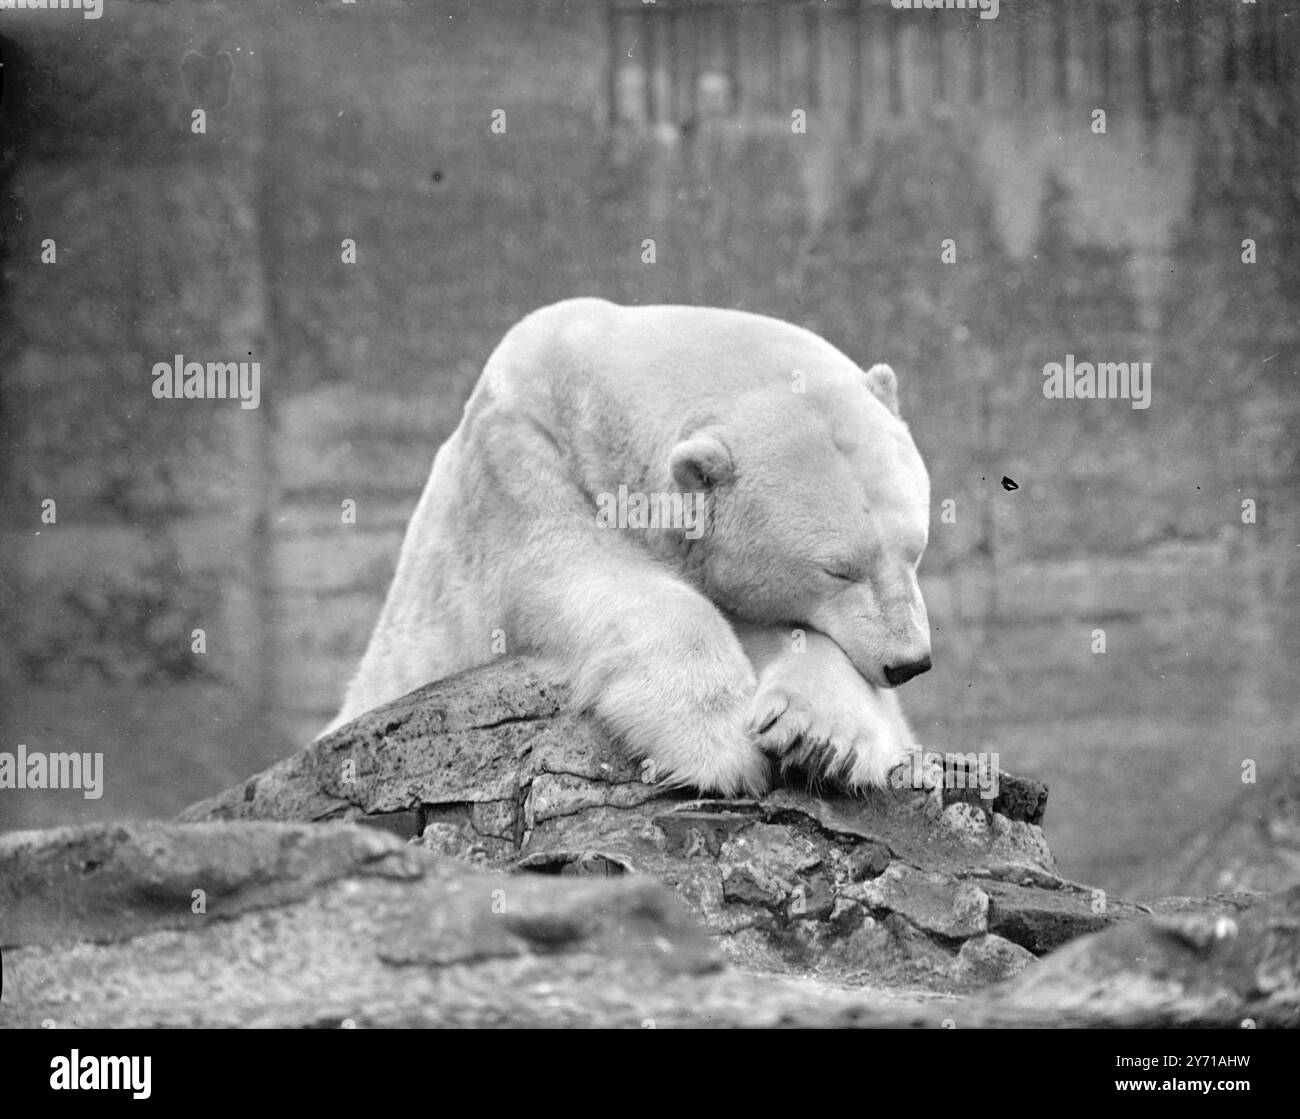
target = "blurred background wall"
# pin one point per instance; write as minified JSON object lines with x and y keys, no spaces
{"x":679,"y":123}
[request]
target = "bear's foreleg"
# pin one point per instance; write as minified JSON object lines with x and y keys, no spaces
{"x":658,"y":664}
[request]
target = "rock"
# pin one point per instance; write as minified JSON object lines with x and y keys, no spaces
{"x":1017,"y":798}
{"x":930,"y":900}
{"x":866,"y":860}
{"x":544,"y":791}
{"x":966,"y":822}
{"x":847,"y":915}
{"x":1041,"y":920}
{"x":578,"y":894}
{"x":689,"y":833}
{"x":314,"y":925}
{"x":767,"y":865}
{"x":989,"y":959}
{"x":749,"y":885}
{"x":108,"y":881}
{"x":1231,"y":904}
{"x":1184,"y":969}
{"x":327,"y":925}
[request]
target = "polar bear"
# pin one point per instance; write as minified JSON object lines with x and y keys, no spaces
{"x":764,"y":617}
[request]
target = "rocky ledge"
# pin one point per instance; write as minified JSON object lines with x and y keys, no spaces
{"x":477,"y":854}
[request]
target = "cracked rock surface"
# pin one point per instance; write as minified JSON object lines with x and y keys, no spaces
{"x":515,"y":869}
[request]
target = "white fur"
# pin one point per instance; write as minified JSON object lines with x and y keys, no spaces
{"x":645,"y":624}
{"x":814,"y":711}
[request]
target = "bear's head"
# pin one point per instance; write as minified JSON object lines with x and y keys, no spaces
{"x":817,"y":512}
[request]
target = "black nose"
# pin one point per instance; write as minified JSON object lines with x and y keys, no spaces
{"x":902,"y":673}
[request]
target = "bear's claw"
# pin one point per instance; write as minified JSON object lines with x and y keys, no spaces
{"x":767,"y":709}
{"x":850,"y":745}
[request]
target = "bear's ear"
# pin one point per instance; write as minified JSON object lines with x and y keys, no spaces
{"x":699,"y":462}
{"x":883,"y":385}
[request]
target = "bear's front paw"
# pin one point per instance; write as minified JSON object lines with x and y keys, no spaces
{"x":726,"y":762}
{"x":689,"y":731}
{"x":852,"y":736}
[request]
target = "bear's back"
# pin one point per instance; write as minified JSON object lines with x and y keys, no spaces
{"x":666,"y":363}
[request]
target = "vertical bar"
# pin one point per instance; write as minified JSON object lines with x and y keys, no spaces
{"x":707,"y":36}
{"x":1023,"y":33}
{"x":1103,"y":51}
{"x":1288,"y":54}
{"x":867,"y":32}
{"x":694,"y":29}
{"x":731,"y":30}
{"x":939,"y":54}
{"x":271,"y":202}
{"x":1230,"y":45}
{"x":895,"y":65}
{"x":978,"y":63}
{"x":774,"y":57}
{"x":648,"y":66}
{"x":611,"y":45}
{"x":674,"y":90}
{"x":1282,"y":33}
{"x":813,"y":53}
{"x":1062,"y":41}
{"x":856,"y":77}
{"x":1146,"y":89}
{"x":1275,"y":68}
{"x":1190,"y":65}
{"x":1259,"y":41}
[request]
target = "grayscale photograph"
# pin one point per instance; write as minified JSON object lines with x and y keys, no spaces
{"x":651,"y":514}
